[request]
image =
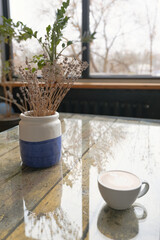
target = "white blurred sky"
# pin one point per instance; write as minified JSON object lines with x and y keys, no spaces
{"x":35,"y":14}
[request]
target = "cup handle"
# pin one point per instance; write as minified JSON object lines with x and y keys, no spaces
{"x":144,"y":189}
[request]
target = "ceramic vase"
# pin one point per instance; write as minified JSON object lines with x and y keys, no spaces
{"x":40,"y":140}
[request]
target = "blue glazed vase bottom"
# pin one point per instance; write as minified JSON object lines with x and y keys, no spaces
{"x":41,"y":154}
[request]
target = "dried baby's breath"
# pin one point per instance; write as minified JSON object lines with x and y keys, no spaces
{"x":42,"y":96}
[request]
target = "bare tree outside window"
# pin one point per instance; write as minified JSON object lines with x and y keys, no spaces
{"x":151,"y":24}
{"x":127,"y":39}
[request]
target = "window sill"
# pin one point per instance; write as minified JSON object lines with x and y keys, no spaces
{"x":106,"y":84}
{"x":118,"y":84}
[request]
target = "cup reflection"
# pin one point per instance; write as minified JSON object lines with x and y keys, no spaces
{"x":124,"y":224}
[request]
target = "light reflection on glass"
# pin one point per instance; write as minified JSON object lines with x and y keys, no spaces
{"x":72,"y":146}
{"x":104,"y":138}
{"x":71,"y":201}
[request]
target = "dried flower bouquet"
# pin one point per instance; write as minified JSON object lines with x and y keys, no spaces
{"x":43,"y":96}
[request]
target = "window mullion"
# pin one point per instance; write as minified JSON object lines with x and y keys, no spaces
{"x":85,"y":29}
{"x":6,"y":13}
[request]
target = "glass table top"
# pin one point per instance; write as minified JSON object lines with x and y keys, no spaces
{"x":63,"y":202}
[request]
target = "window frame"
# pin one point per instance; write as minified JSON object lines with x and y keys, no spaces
{"x":86,"y":53}
{"x":6,"y":13}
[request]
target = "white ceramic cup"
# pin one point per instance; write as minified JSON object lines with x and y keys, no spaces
{"x":120,"y":189}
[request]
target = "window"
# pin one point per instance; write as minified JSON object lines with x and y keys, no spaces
{"x":127,"y":39}
{"x":127,"y":34}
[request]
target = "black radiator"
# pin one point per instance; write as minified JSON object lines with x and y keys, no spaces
{"x":113,"y":102}
{"x":129,"y":103}
{"x":106,"y":108}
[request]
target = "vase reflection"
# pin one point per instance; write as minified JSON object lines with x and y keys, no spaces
{"x":48,"y":225}
{"x":45,"y":213}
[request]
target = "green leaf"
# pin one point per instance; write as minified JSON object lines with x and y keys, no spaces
{"x":33,"y":70}
{"x":17,"y":24}
{"x":63,"y":45}
{"x":35,"y":34}
{"x":62,"y":10}
{"x":93,"y":35}
{"x":40,"y":39}
{"x":69,"y":43}
{"x":88,"y":37}
{"x":48,"y":29}
{"x":65,"y":4}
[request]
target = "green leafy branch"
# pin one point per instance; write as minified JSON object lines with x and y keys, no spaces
{"x":53,"y":36}
{"x":18,"y":31}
